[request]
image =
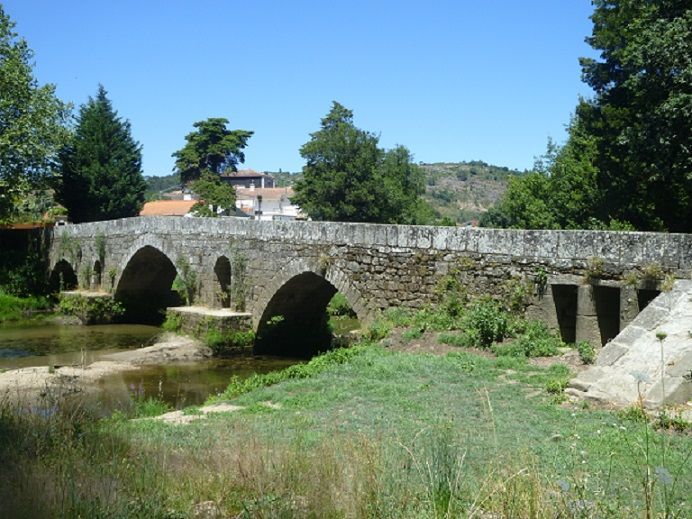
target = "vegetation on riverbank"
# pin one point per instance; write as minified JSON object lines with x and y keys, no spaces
{"x":15,"y":308}
{"x":367,"y":431}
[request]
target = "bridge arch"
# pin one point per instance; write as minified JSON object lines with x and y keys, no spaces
{"x":222,"y":271}
{"x":290,"y":314}
{"x":145,"y":285}
{"x":62,"y":277}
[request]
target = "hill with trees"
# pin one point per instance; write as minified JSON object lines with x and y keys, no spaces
{"x":462,"y":191}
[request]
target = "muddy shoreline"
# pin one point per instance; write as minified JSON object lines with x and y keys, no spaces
{"x":49,"y":384}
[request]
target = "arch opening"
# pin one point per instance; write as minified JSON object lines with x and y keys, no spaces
{"x":145,"y":287}
{"x":295,"y":322}
{"x":97,"y":271}
{"x":222,"y":269}
{"x":62,"y":277}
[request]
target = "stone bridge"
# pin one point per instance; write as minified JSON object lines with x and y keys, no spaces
{"x":588,"y":284}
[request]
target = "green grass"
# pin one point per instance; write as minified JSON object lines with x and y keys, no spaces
{"x":13,"y":308}
{"x":476,"y":419}
{"x":363,"y":432}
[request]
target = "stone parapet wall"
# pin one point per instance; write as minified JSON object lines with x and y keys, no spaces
{"x":570,"y":248}
{"x":375,"y":266}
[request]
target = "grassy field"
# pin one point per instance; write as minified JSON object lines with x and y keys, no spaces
{"x":371,"y":433}
{"x":368,"y":431}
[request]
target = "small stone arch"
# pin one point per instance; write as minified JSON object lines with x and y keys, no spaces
{"x":145,"y":286}
{"x":63,"y":277}
{"x":290,"y":315}
{"x":97,"y":273}
{"x":222,"y":270}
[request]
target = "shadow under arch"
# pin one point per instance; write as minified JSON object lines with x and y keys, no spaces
{"x":62,"y":277}
{"x":295,"y":322}
{"x":145,"y":286}
{"x":222,"y":269}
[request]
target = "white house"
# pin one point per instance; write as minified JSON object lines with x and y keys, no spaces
{"x":270,"y":203}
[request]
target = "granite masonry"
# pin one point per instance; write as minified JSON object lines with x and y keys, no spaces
{"x":589,"y":284}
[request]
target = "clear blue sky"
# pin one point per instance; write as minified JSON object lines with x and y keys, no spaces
{"x":451,"y":80}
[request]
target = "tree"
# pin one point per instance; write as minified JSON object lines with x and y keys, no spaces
{"x":347,"y":177}
{"x":214,"y":194}
{"x":641,"y":115}
{"x":212,"y":148}
{"x":102,"y":166}
{"x":627,"y":162}
{"x":32,"y":123}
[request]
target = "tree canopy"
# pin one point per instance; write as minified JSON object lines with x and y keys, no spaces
{"x":101,"y":166}
{"x":628,"y":158}
{"x":212,"y":148}
{"x":214,"y":194}
{"x":347,"y":177}
{"x":32,"y":123}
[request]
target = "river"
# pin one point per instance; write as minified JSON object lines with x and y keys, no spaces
{"x":179,"y":384}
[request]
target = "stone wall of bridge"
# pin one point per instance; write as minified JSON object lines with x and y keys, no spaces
{"x":382,"y":266}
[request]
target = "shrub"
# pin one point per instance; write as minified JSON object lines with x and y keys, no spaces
{"x":556,"y":385}
{"x":91,"y":310}
{"x":13,"y":308}
{"x":378,"y":330}
{"x":173,"y":323}
{"x":485,"y":322}
{"x":220,"y":342}
{"x":339,"y":305}
{"x":594,"y":269}
{"x":676,"y":423}
{"x":587,"y":353}
{"x":538,"y":340}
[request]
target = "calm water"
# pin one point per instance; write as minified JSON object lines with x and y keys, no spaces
{"x":178,"y":384}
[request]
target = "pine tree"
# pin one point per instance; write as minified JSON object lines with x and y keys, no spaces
{"x":102,"y":166}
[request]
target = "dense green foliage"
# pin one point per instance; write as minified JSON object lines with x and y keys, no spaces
{"x":102,"y":166}
{"x":628,"y":160}
{"x":339,"y":306}
{"x":347,"y":177}
{"x":215,"y":195}
{"x":14,"y":308}
{"x":32,"y":128}
{"x":210,"y":148}
{"x":641,"y":117}
{"x":90,"y":310}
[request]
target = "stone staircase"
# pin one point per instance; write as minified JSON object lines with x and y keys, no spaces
{"x":630,"y":365}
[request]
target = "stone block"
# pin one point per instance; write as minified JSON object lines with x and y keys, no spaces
{"x":651,"y":317}
{"x":610,"y":353}
{"x":456,"y":240}
{"x":663,"y":249}
{"x":567,"y":245}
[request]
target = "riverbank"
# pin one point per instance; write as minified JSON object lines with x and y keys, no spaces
{"x":13,"y":308}
{"x":50,"y":384}
{"x":406,"y":424}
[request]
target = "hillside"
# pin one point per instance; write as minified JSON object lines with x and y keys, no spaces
{"x":457,"y":190}
{"x":464,"y":190}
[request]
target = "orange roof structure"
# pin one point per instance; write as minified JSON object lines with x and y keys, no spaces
{"x":167,"y":208}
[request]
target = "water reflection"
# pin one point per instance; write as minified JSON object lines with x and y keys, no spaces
{"x":183,"y":384}
{"x":179,"y":384}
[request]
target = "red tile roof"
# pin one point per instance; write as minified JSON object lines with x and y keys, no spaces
{"x":167,"y":208}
